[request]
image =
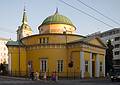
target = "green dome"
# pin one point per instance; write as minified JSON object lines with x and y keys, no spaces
{"x":57,"y":19}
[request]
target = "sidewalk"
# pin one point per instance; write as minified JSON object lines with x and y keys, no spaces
{"x":9,"y":77}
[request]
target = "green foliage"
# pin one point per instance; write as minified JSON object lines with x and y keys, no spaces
{"x":109,"y":57}
{"x":3,"y":70}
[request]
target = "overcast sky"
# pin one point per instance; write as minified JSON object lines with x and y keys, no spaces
{"x":11,"y":12}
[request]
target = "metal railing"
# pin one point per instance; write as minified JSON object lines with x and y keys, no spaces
{"x":60,"y":75}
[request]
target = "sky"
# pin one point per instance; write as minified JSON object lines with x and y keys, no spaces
{"x":11,"y":12}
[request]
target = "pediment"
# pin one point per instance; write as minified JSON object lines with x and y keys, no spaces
{"x":96,"y":41}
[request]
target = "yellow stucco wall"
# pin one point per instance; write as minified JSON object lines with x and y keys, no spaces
{"x":14,"y":51}
{"x":53,"y":52}
{"x":53,"y":39}
{"x":47,"y":53}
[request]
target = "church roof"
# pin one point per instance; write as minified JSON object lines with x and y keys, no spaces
{"x":57,"y":19}
{"x":24,"y":20}
{"x":87,"y":40}
{"x":24,"y":25}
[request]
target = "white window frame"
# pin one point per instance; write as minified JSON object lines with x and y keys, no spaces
{"x":86,"y":66}
{"x":60,"y":65}
{"x":43,"y":65}
{"x":101,"y":66}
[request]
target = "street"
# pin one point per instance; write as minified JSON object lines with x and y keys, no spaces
{"x":13,"y":81}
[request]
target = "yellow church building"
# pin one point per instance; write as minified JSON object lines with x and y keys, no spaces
{"x":56,"y":48}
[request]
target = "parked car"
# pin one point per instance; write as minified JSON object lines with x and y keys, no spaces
{"x":115,"y":75}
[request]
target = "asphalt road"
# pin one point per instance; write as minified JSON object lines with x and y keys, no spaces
{"x":12,"y":81}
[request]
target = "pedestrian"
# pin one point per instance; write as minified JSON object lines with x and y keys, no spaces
{"x":53,"y":76}
{"x":108,"y":76}
{"x":36,"y":75}
{"x":45,"y":76}
{"x":32,"y":75}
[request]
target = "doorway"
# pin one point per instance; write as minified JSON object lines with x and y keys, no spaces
{"x":93,"y":68}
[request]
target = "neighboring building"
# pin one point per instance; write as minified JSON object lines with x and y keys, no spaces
{"x":3,"y":50}
{"x":56,"y":48}
{"x":114,"y":36}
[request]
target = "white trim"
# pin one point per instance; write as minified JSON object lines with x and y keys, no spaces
{"x":97,"y":66}
{"x":61,"y":64}
{"x":82,"y":64}
{"x":44,"y":68}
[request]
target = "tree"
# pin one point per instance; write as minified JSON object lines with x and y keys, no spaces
{"x":3,"y":68}
{"x":109,"y":57}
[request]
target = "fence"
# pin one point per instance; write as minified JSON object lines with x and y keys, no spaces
{"x":60,"y":75}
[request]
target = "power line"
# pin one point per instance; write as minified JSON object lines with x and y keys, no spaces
{"x":98,"y":12}
{"x":86,"y":13}
{"x":5,"y":30}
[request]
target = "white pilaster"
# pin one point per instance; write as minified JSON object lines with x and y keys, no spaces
{"x":97,"y":66}
{"x":90,"y":68}
{"x":82,"y":64}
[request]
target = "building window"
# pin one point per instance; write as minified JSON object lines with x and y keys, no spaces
{"x":86,"y":66}
{"x":27,"y":34}
{"x":117,"y":38}
{"x":40,"y":40}
{"x":44,"y":40}
{"x":116,"y":62}
{"x":100,"y":66}
{"x":43,"y":65}
{"x":117,"y":52}
{"x":4,"y":48}
{"x":60,"y":65}
{"x":4,"y":54}
{"x":117,"y":45}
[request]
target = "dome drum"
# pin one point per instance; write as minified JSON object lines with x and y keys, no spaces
{"x":57,"y":28}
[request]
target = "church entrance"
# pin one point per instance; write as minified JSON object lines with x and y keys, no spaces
{"x":93,"y":68}
{"x":93,"y":64}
